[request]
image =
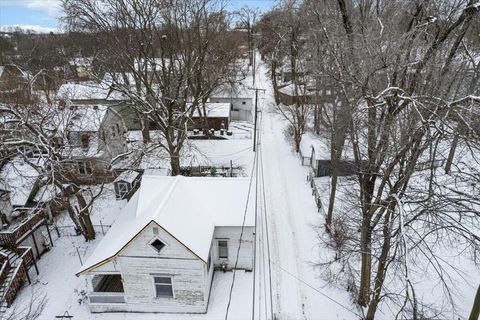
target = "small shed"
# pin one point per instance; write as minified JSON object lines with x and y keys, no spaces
{"x":322,"y":166}
{"x":126,"y":184}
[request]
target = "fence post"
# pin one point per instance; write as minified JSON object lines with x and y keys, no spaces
{"x":101,"y":226}
{"x":79,"y":257}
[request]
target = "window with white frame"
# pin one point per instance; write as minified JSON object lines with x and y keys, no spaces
{"x":223,"y":249}
{"x":84,"y":167}
{"x":163,"y":286}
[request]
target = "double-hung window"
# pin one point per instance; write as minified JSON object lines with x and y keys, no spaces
{"x":223,"y":249}
{"x":163,"y":286}
{"x":84,"y":167}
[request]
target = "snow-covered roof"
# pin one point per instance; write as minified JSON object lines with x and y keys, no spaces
{"x":210,"y":202}
{"x":46,"y":193}
{"x":19,"y":178}
{"x":127,"y":176}
{"x":157,"y":172}
{"x":81,"y":118}
{"x":81,"y":61}
{"x":289,"y":89}
{"x":319,"y":144}
{"x":216,"y":110}
{"x":236,"y":92}
{"x":88,"y":91}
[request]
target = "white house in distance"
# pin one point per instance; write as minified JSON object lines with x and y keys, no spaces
{"x":161,"y":253}
{"x":240,"y":99}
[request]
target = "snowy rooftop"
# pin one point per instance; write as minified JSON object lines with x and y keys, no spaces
{"x":81,"y":61}
{"x":210,"y":202}
{"x":19,"y":178}
{"x":87,"y":91}
{"x":128,"y":176}
{"x":216,"y":110}
{"x":240,"y":91}
{"x":82,"y":118}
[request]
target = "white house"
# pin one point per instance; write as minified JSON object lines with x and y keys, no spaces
{"x":240,"y":99}
{"x":161,"y":253}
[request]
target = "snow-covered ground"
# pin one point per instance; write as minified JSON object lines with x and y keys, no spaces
{"x":293,"y":220}
{"x":65,"y":293}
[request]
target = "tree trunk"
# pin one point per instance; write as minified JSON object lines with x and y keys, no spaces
{"x":274,"y":81}
{"x":366,"y":270}
{"x":145,"y":130}
{"x":297,"y":137}
{"x":331,"y":202}
{"x":381,"y":269}
{"x":451,"y":154}
{"x":84,"y":217}
{"x":175,"y":163}
{"x":88,"y":225}
{"x":316,"y":118}
{"x":73,"y":216}
{"x":474,"y":315}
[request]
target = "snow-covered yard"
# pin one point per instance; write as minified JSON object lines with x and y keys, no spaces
{"x":65,"y":293}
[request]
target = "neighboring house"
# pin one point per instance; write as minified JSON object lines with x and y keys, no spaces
{"x":24,"y":233}
{"x":23,"y":201}
{"x":91,"y":135}
{"x":14,"y":84}
{"x":240,"y":99}
{"x":160,"y":254}
{"x":218,"y":116}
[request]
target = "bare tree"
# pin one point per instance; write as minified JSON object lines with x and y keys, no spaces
{"x":170,"y":56}
{"x":400,"y":69}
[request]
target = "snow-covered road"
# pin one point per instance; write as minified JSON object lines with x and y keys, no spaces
{"x":292,"y":219}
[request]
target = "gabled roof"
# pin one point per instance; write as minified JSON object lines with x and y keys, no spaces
{"x":187,"y":208}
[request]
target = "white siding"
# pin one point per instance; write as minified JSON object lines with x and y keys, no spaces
{"x":232,"y":234}
{"x":110,"y":140}
{"x":240,"y":111}
{"x":139,"y":262}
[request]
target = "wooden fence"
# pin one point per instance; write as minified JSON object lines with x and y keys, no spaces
{"x":316,"y":194}
{"x":10,"y":237}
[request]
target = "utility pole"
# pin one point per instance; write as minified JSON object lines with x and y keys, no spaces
{"x":255,"y":117}
{"x":255,"y":121}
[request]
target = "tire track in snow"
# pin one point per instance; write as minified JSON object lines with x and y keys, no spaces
{"x":282,"y":216}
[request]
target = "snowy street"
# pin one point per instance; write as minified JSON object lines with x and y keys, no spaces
{"x":292,"y":219}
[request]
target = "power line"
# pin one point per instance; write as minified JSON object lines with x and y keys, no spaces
{"x":266,"y":231}
{"x":315,"y":289}
{"x":241,"y":236}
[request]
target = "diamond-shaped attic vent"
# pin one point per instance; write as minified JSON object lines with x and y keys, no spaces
{"x":157,"y":244}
